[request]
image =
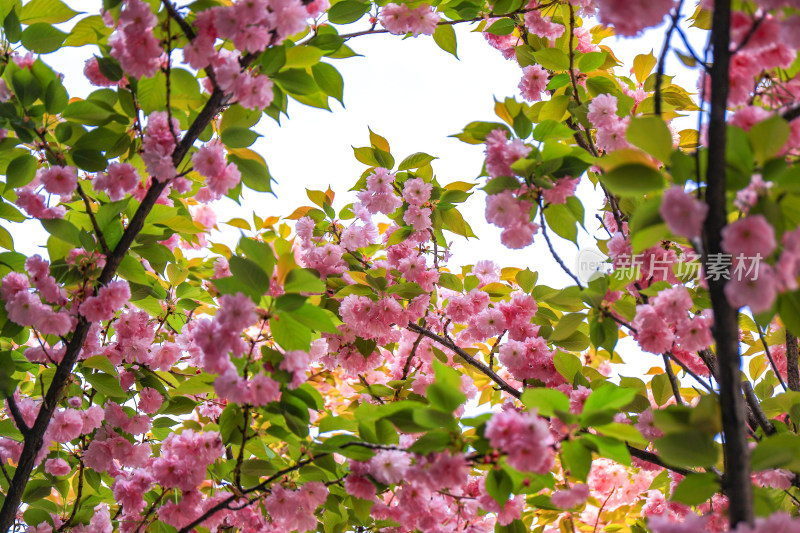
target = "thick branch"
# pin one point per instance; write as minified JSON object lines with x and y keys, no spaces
{"x":736,"y":481}
{"x":792,"y":370}
{"x":35,"y":438}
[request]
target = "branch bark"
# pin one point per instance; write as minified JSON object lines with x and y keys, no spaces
{"x":736,"y":481}
{"x":792,"y":370}
{"x":35,"y":438}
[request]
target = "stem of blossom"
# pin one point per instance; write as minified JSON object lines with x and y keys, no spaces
{"x":552,"y":250}
{"x":673,"y":380}
{"x":736,"y":482}
{"x":758,"y":413}
{"x":77,"y":503}
{"x":100,"y":237}
{"x":792,"y":370}
{"x":676,"y":15}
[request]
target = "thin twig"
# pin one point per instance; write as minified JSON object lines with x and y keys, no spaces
{"x":676,"y":16}
{"x":503,"y":384}
{"x":552,"y":250}
{"x":673,"y":380}
{"x":769,"y":356}
{"x":576,"y":95}
{"x":100,"y":237}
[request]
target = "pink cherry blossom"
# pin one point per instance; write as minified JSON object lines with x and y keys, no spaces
{"x":683,"y":213}
{"x":631,"y":17}
{"x":416,"y":191}
{"x":57,"y":467}
{"x":118,"y":180}
{"x":59,"y":180}
{"x":534,"y":82}
{"x":569,"y":498}
{"x":401,"y":19}
{"x":750,"y":236}
{"x":562,"y":189}
{"x":500,"y":153}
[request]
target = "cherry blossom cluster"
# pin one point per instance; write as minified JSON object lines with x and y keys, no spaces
{"x":56,"y":180}
{"x":665,"y":321}
{"x":400,"y":19}
{"x":133,"y":43}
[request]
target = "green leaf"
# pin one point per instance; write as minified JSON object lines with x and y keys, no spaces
{"x":90,"y":160}
{"x":643,"y":65}
{"x":259,"y":252}
{"x":49,"y":11}
{"x":433,"y":441}
{"x":566,"y":326}
{"x":450,"y":281}
{"x":106,"y":384}
{"x":296,"y":81}
{"x":100,"y":362}
{"x":64,"y":230}
{"x":87,"y":112}
{"x":302,"y":56}
{"x":591,"y":61}
{"x":347,"y":12}
{"x":445,"y":38}
{"x":315,"y":318}
{"x":55,"y":97}
{"x":633,"y":180}
{"x":545,"y":401}
{"x":238,"y":137}
{"x":6,"y":241}
{"x":26,"y":86}
{"x":329,"y":80}
{"x":503,"y":183}
{"x":552,"y":59}
{"x":768,"y":137}
{"x":776,"y":451}
{"x":623,"y":432}
{"x":696,"y":488}
{"x":445,"y":393}
{"x":526,"y":279}
{"x":689,"y":449}
{"x":42,"y":38}
{"x":289,"y":333}
{"x":608,"y":397}
{"x":652,"y":135}
{"x":255,"y":173}
{"x":504,"y":26}
{"x":610,"y":448}
{"x":577,"y":458}
{"x":12,"y":27}
{"x":88,"y":30}
{"x":303,"y":280}
{"x":499,"y":486}
{"x":416,"y":160}
{"x":251,"y":274}
{"x":562,"y":221}
{"x":20,"y":171}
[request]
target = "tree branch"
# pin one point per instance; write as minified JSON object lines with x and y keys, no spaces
{"x":552,"y":250}
{"x":503,"y":384}
{"x":755,"y":406}
{"x":736,"y":481}
{"x":100,"y":238}
{"x":792,"y":370}
{"x":676,"y":17}
{"x":16,"y":414}
{"x":673,"y":380}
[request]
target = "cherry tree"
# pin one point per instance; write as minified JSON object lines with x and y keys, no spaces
{"x":330,"y":371}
